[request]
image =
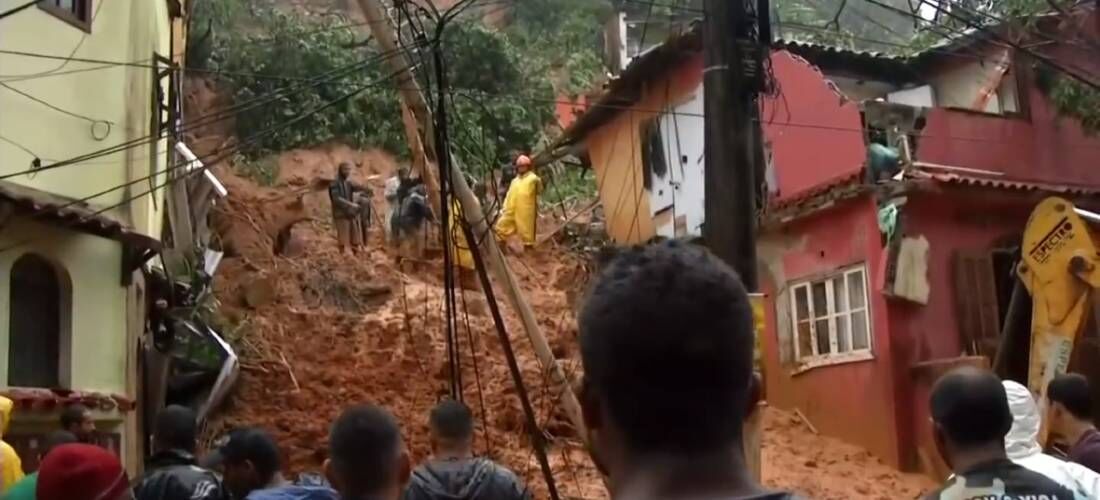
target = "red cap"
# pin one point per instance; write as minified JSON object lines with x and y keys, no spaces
{"x":81,"y":472}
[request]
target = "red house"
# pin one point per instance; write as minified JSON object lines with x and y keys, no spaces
{"x":898,"y":189}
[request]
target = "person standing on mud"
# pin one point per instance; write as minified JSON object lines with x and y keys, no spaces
{"x":345,"y":211}
{"x":520,"y":211}
{"x":666,"y":339}
{"x":411,"y":221}
{"x":453,"y":472}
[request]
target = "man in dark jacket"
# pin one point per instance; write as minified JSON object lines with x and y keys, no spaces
{"x":346,"y":211}
{"x":453,"y":473}
{"x":172,"y":473}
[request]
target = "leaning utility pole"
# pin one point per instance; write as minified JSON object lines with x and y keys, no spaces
{"x":729,"y":182}
{"x":414,"y":98}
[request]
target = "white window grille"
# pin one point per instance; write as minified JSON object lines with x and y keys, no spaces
{"x":830,"y":316}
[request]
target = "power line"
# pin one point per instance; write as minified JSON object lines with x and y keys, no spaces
{"x":83,"y":38}
{"x":20,"y":146}
{"x":56,"y":108}
{"x":208,"y":119}
{"x":208,"y":162}
{"x":996,"y":35}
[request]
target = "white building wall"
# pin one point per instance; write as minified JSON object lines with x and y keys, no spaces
{"x":683,"y":135}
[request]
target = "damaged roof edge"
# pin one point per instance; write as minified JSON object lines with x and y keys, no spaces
{"x":51,"y":208}
{"x":624,"y":90}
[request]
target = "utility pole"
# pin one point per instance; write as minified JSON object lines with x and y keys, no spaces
{"x":729,"y":182}
{"x":410,"y":92}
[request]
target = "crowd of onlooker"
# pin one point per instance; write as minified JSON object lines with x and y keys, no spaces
{"x":666,"y":340}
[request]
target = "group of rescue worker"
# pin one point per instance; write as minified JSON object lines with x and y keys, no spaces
{"x":408,"y":213}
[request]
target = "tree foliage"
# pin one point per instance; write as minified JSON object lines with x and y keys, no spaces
{"x":561,"y":39}
{"x":852,"y":24}
{"x":292,"y":68}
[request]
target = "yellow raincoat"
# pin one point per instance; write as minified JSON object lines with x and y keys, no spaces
{"x":11,"y":468}
{"x":459,"y":248}
{"x":521,"y":208}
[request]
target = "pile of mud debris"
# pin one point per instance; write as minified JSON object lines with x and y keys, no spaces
{"x":318,"y":331}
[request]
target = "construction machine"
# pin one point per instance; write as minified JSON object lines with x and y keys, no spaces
{"x":1060,"y":267}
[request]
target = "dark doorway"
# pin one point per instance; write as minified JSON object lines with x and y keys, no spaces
{"x":34,"y":344}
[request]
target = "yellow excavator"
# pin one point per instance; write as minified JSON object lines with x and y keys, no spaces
{"x":1060,"y":267}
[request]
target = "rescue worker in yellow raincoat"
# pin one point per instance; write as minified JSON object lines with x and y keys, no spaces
{"x":464,"y":260}
{"x":521,"y":205}
{"x":11,"y":468}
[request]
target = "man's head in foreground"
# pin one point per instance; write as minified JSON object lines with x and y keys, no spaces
{"x":82,"y":472}
{"x":970,"y":416}
{"x":367,"y":457}
{"x":344,"y":170}
{"x":175,"y":428}
{"x":77,"y":419}
{"x":250,"y":461}
{"x":452,"y":428}
{"x":1070,"y":404}
{"x":666,"y":340}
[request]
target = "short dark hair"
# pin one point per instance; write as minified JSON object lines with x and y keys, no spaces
{"x":666,"y":337}
{"x":971,"y":406}
{"x":253,"y":445}
{"x":1072,"y":391}
{"x":453,"y":420}
{"x":363,"y":444}
{"x":176,"y":427}
{"x":73,"y":415}
{"x":58,"y":438}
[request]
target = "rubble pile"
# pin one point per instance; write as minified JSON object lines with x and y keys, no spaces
{"x":318,"y":331}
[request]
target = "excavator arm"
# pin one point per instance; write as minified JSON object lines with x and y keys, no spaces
{"x":1060,"y":268}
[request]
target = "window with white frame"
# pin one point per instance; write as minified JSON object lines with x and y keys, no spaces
{"x":830,"y":315}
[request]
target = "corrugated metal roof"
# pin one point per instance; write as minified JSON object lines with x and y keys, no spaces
{"x":960,"y":179}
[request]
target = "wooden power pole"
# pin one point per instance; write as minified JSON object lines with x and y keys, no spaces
{"x":731,"y":79}
{"x":729,"y":182}
{"x":413,"y":97}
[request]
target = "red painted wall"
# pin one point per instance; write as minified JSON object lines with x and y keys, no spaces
{"x":1044,"y":148}
{"x":1040,"y":147}
{"x":970,"y":219}
{"x":814,"y":132}
{"x":854,"y":401}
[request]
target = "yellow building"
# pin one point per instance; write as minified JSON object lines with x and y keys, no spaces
{"x":80,"y":80}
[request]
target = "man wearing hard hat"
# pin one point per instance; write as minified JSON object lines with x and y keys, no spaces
{"x":521,"y":205}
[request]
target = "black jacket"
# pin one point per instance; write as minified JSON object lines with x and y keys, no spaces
{"x":174,"y":475}
{"x":465,"y":479}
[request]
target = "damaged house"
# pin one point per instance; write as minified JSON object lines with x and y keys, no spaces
{"x":896,"y":192}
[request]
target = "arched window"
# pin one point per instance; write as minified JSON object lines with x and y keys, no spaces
{"x":38,"y":319}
